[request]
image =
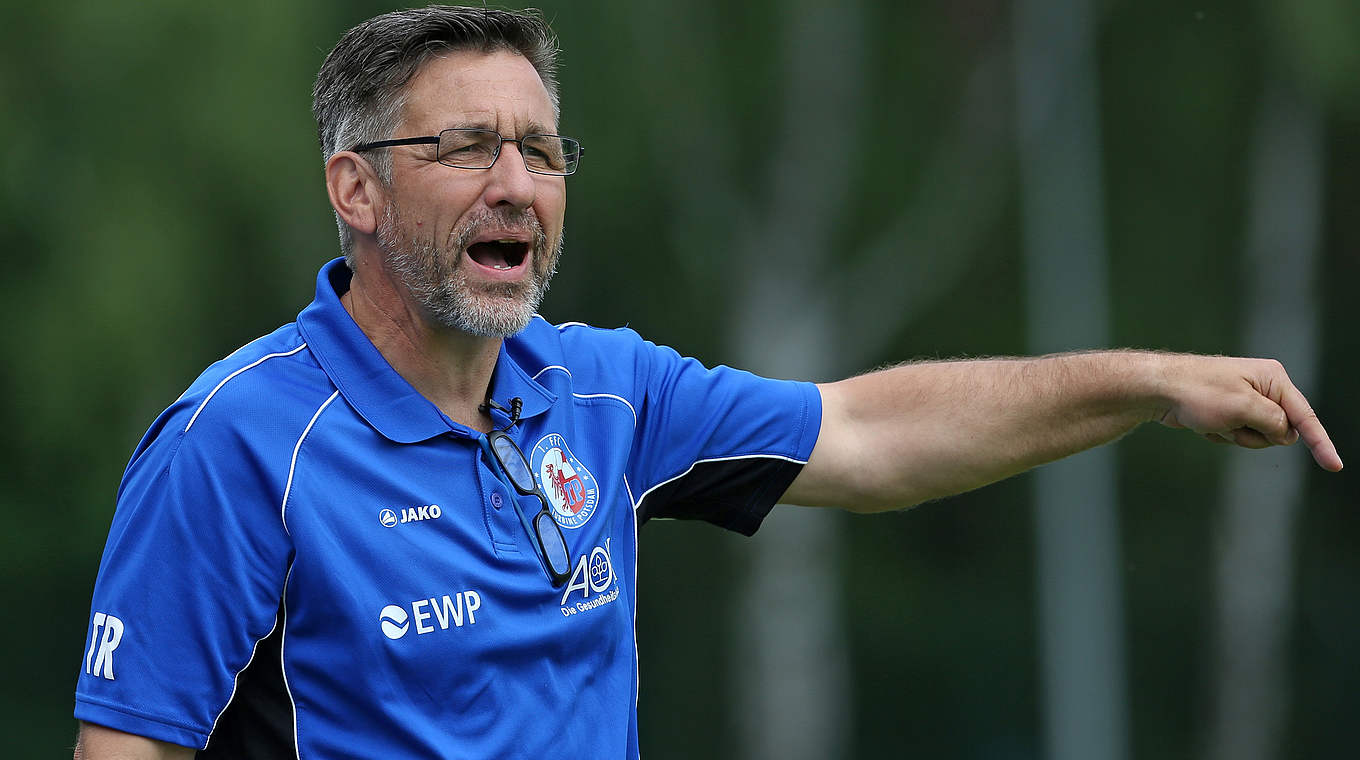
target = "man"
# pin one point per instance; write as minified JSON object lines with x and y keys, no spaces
{"x":405,"y":525}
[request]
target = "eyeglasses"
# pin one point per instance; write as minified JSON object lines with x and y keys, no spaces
{"x":553,"y":155}
{"x":547,"y":534}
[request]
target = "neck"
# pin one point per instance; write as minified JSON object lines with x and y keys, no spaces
{"x":449,"y":367}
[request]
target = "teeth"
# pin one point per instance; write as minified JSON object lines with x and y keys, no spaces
{"x":507,"y":242}
{"x":502,"y":266}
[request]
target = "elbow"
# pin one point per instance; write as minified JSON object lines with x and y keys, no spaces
{"x":873,"y":498}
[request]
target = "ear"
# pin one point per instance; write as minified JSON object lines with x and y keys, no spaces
{"x":356,"y":192}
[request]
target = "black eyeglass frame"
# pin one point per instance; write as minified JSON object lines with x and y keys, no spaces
{"x":436,"y":139}
{"x":558,"y":577}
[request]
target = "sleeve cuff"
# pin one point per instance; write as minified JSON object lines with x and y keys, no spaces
{"x":131,"y":722}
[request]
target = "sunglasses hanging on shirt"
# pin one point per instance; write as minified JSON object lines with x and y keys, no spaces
{"x":514,"y":471}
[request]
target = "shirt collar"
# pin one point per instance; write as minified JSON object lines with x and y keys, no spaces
{"x":381,"y":396}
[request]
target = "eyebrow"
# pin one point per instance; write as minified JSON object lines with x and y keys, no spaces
{"x":532,"y":128}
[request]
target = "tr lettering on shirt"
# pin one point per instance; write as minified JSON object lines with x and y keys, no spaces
{"x":112,"y":629}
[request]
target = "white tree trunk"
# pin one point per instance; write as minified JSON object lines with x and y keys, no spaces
{"x":1263,"y":491}
{"x":795,"y":316}
{"x":1076,"y":515}
{"x":792,"y":662}
{"x":794,"y":321}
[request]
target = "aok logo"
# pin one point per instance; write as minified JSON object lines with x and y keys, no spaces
{"x":389,"y":519}
{"x":113,"y":634}
{"x":594,"y":574}
{"x":456,"y":610}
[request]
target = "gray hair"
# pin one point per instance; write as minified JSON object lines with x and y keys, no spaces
{"x":360,"y":92}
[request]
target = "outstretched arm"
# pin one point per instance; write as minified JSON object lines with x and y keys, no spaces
{"x":901,"y":436}
{"x":99,"y":743}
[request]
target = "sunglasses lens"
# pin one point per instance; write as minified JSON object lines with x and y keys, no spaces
{"x":550,"y":536}
{"x":512,"y":461}
{"x":545,"y":528}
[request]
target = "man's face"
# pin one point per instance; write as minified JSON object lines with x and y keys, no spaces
{"x":475,"y":249}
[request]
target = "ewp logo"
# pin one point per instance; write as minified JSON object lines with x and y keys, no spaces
{"x":394,"y":621}
{"x":456,"y":610}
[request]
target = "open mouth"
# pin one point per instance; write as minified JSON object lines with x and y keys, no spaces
{"x":499,"y":254}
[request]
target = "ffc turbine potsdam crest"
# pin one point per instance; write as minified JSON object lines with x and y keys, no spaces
{"x":569,"y":485}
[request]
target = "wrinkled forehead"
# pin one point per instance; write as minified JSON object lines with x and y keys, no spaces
{"x":499,"y":90}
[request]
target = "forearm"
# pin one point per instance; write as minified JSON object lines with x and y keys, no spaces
{"x":921,"y":431}
{"x":902,"y":436}
{"x":97,"y":742}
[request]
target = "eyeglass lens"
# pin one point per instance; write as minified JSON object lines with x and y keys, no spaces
{"x":478,"y":148}
{"x":550,"y":536}
{"x":513,"y":462}
{"x":546,"y":529}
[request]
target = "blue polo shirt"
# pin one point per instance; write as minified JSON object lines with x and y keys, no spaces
{"x":309,"y":559}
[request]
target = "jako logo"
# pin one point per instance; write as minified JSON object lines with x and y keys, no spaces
{"x":457,"y":609}
{"x":410,"y":514}
{"x":113,"y":634}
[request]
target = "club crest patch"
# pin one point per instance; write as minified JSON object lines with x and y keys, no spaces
{"x":569,"y":485}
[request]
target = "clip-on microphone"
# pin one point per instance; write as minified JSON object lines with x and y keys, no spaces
{"x":516,"y":406}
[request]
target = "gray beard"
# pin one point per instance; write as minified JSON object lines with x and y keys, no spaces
{"x":437,"y":279}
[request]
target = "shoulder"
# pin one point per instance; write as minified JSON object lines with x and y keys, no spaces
{"x":585,"y":352}
{"x":579,"y":336}
{"x":252,"y":397}
{"x":269,"y":380}
{"x":227,"y":441}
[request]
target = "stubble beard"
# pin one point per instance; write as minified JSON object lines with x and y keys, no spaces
{"x":437,"y":278}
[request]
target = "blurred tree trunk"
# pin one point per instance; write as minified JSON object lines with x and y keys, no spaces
{"x":1263,"y":490}
{"x":805,"y":307}
{"x":792,"y":666}
{"x":1067,"y":293}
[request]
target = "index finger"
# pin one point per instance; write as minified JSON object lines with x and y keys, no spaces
{"x":1303,"y":419}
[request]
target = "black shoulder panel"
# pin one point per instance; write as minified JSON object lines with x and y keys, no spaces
{"x":731,"y":493}
{"x":259,"y":721}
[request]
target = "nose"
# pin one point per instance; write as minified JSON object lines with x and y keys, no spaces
{"x":509,"y":183}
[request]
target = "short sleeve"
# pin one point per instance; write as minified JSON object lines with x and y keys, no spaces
{"x":190,"y":581}
{"x":718,"y":444}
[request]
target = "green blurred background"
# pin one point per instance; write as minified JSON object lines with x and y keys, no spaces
{"x":161,"y":203}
